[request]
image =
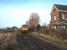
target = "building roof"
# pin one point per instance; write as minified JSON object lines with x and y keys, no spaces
{"x":61,"y":7}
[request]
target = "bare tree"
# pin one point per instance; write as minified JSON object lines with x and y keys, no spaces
{"x":33,"y":21}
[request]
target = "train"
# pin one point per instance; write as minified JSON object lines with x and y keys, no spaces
{"x":24,"y":29}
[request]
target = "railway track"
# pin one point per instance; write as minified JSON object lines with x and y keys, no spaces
{"x":47,"y":45}
{"x":28,"y":42}
{"x":37,"y":44}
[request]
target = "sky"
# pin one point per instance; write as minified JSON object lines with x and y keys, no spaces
{"x":17,"y":12}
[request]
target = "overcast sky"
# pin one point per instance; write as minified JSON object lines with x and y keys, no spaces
{"x":17,"y":12}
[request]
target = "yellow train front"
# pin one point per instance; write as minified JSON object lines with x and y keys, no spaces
{"x":24,"y":29}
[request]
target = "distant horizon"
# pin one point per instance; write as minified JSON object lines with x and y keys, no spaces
{"x":17,"y":12}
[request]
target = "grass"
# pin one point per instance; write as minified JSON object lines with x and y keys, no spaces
{"x":7,"y":40}
{"x":53,"y":39}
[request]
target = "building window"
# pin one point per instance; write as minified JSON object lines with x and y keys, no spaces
{"x":54,"y":17}
{"x":63,"y":17}
{"x":53,"y":27}
{"x":63,"y":27}
{"x":66,"y":18}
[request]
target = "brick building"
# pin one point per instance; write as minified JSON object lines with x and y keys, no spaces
{"x":58,"y":16}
